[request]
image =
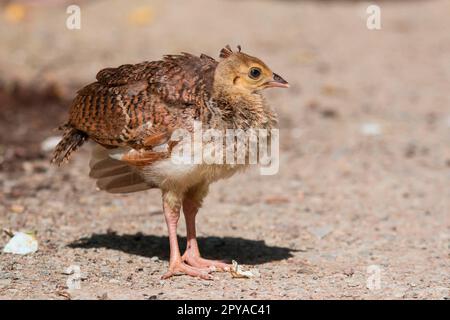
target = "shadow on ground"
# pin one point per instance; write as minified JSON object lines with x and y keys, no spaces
{"x":243,"y":250}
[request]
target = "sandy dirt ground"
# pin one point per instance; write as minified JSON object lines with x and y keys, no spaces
{"x":363,"y":190}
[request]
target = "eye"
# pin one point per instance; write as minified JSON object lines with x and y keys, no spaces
{"x":254,"y":73}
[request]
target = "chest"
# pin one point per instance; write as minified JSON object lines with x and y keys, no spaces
{"x":171,"y":175}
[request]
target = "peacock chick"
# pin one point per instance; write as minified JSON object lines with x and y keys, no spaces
{"x":132,"y":112}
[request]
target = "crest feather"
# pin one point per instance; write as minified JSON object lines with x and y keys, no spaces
{"x":226,"y":52}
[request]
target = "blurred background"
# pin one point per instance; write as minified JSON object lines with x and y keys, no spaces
{"x":365,"y":149}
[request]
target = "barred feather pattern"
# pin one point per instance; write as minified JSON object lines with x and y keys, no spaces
{"x":71,"y":141}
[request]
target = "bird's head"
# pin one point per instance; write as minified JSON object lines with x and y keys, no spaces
{"x":240,"y":72}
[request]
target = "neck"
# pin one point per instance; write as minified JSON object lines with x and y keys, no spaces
{"x":243,"y":110}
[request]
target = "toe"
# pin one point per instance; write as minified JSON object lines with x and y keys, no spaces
{"x":182,"y":268}
{"x":212,"y":265}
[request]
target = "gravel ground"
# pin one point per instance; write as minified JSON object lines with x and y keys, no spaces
{"x":363,"y":187}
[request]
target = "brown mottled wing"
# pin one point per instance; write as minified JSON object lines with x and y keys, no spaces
{"x":177,"y":78}
{"x":188,"y":79}
{"x":131,"y":103}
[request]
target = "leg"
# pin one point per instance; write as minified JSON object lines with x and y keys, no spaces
{"x":192,"y":254}
{"x":176,"y":264}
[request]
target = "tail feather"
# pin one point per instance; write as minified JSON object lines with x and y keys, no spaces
{"x":71,"y":141}
{"x":113,"y":175}
{"x":123,"y":183}
{"x":98,"y":173}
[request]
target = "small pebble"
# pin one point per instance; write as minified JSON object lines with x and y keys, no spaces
{"x":17,"y":208}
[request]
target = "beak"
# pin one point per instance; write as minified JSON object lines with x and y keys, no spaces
{"x":277,"y":82}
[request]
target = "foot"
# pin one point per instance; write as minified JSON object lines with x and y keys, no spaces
{"x":179,"y":268}
{"x":197,"y":261}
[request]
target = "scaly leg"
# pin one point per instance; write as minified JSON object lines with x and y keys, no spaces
{"x":192,"y":254}
{"x":176,"y":264}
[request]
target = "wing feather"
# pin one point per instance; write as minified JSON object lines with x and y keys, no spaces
{"x":130,"y":104}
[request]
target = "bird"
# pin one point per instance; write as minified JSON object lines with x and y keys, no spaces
{"x":131,"y":114}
